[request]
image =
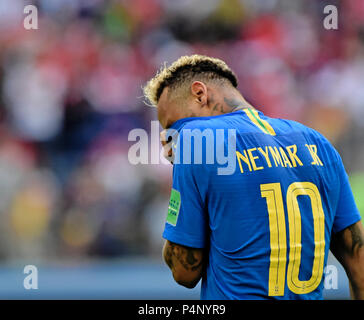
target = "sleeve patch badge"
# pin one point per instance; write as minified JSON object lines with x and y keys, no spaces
{"x":173,"y":207}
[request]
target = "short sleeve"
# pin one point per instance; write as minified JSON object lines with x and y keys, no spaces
{"x":187,"y":220}
{"x":347,"y":212}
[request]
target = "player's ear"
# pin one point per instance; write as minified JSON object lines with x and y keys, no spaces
{"x":199,"y":92}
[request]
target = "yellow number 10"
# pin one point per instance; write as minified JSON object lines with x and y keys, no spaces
{"x":278,"y":242}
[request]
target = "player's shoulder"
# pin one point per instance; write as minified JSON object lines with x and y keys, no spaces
{"x":287,"y":126}
{"x":312,"y":135}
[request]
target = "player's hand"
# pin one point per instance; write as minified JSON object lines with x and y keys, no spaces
{"x":167,"y":146}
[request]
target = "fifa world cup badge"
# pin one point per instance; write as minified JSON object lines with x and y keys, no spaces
{"x":173,"y":208}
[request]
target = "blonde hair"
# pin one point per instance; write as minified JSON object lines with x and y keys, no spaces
{"x":187,"y":68}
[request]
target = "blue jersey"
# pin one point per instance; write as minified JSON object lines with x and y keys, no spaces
{"x":267,"y":224}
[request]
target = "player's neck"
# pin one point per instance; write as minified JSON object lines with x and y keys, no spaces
{"x":235,"y":102}
{"x":219,"y":102}
{"x":226,"y":99}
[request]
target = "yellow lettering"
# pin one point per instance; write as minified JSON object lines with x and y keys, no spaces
{"x":252,"y":159}
{"x":276,"y":156}
{"x":312,"y":148}
{"x":245,"y":159}
{"x":285,"y":158}
{"x":292,"y":151}
{"x":266,"y":156}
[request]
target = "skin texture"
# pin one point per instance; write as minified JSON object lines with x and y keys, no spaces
{"x":348,"y":248}
{"x":185,"y":263}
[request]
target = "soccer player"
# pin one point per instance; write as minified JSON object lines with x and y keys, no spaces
{"x":264,"y":231}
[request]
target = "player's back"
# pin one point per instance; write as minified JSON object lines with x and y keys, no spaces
{"x":272,"y":218}
{"x":269,"y":221}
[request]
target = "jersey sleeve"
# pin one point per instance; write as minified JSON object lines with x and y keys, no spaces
{"x":347,"y":212}
{"x":187,"y":220}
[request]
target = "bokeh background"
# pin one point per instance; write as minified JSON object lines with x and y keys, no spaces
{"x":70,"y":92}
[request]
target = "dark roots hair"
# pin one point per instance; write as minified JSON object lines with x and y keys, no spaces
{"x":187,"y":68}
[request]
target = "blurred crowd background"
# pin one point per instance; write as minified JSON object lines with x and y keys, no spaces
{"x":70,"y":92}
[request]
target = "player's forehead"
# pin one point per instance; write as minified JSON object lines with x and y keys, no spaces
{"x":168,"y":108}
{"x":163,"y":106}
{"x":163,"y":99}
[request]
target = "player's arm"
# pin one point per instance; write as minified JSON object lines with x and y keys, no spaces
{"x":185,"y":263}
{"x":348,"y":248}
